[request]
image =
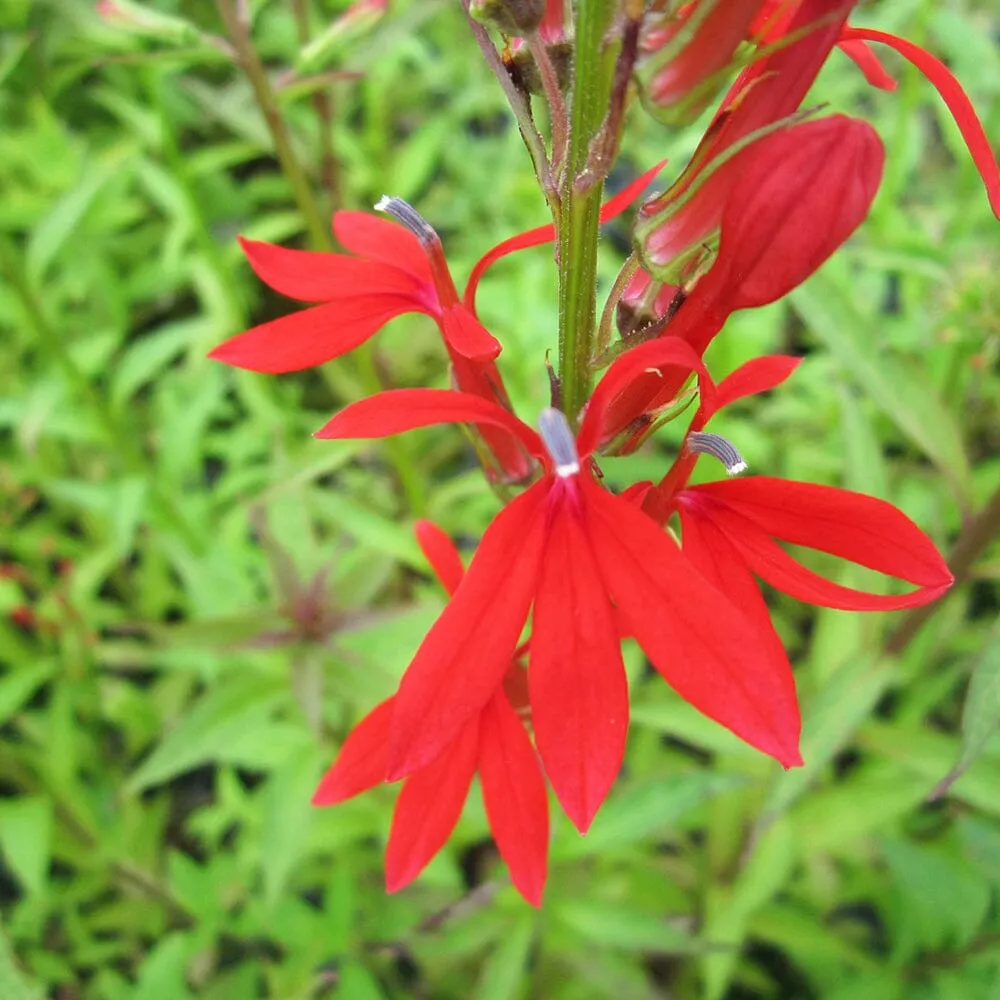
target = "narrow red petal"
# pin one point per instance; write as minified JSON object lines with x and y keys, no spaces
{"x":360,"y":765}
{"x":866,"y":60}
{"x":322,"y":277}
{"x":611,"y":209}
{"x":429,"y":807}
{"x":462,"y":660}
{"x":758,"y":375}
{"x":720,"y":562}
{"x":954,"y":97}
{"x":398,"y":410}
{"x":376,"y":238}
{"x":517,"y":805}
{"x":467,"y":336}
{"x":576,"y":678}
{"x":664,"y":352}
{"x":773,"y":564}
{"x":855,"y":527}
{"x":439,"y":550}
{"x":310,"y":337}
{"x":708,"y":652}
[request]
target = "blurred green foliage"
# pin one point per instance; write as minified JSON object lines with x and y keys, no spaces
{"x":198,"y":599}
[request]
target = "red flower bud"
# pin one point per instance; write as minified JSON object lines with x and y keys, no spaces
{"x":800,"y":195}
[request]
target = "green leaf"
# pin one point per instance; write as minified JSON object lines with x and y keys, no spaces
{"x":62,"y":220}
{"x":26,"y":840}
{"x":644,"y":810}
{"x":357,"y":983}
{"x":13,"y":985}
{"x":906,"y":397}
{"x":287,"y":815}
{"x":624,"y":927}
{"x":17,"y":686}
{"x":236,"y":707}
{"x":830,"y":720}
{"x":162,"y":974}
{"x":505,"y":970}
{"x":981,"y":715}
{"x":764,"y":874}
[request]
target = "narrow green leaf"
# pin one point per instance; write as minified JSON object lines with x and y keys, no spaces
{"x":906,"y":397}
{"x":645,"y":810}
{"x":357,"y":983}
{"x":13,"y":985}
{"x":504,"y":971}
{"x":222,"y":718}
{"x":26,"y":840}
{"x":981,"y":715}
{"x":17,"y":686}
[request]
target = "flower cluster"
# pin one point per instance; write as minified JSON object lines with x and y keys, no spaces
{"x":521,"y":678}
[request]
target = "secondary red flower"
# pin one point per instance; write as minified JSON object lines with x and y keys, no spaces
{"x":801,"y":193}
{"x":493,"y":742}
{"x":729,"y":528}
{"x":798,"y":37}
{"x":388,"y":272}
{"x":584,"y":560}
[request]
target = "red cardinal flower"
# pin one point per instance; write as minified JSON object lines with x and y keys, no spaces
{"x":584,"y":560}
{"x":729,"y":528}
{"x":492,"y":743}
{"x":389,"y":271}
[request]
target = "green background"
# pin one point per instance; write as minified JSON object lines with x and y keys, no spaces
{"x":198,"y":599}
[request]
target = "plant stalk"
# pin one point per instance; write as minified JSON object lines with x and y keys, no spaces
{"x":580,"y":206}
{"x":238,"y":30}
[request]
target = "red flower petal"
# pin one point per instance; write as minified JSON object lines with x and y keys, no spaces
{"x":439,"y":550}
{"x":866,"y":60}
{"x":322,"y":277}
{"x":772,"y":563}
{"x":514,"y":795}
{"x":758,"y":375}
{"x":855,"y":527}
{"x":360,"y":765}
{"x":462,"y":660}
{"x":429,"y":807}
{"x":664,"y":352}
{"x":576,"y":678}
{"x":310,"y":337}
{"x":398,"y":410}
{"x":954,"y":97}
{"x":706,"y":650}
{"x":611,"y":209}
{"x":376,"y":238}
{"x":719,"y":561}
{"x":467,"y":336}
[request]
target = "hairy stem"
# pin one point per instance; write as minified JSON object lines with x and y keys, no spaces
{"x":580,"y":205}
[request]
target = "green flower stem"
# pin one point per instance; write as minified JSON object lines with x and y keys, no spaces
{"x":239,"y":34}
{"x":580,"y":206}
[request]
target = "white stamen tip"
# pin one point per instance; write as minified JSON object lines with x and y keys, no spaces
{"x":706,"y":443}
{"x":383,"y":203}
{"x":559,"y":442}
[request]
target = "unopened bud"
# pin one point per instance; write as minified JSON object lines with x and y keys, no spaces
{"x":511,"y":17}
{"x":522,"y":67}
